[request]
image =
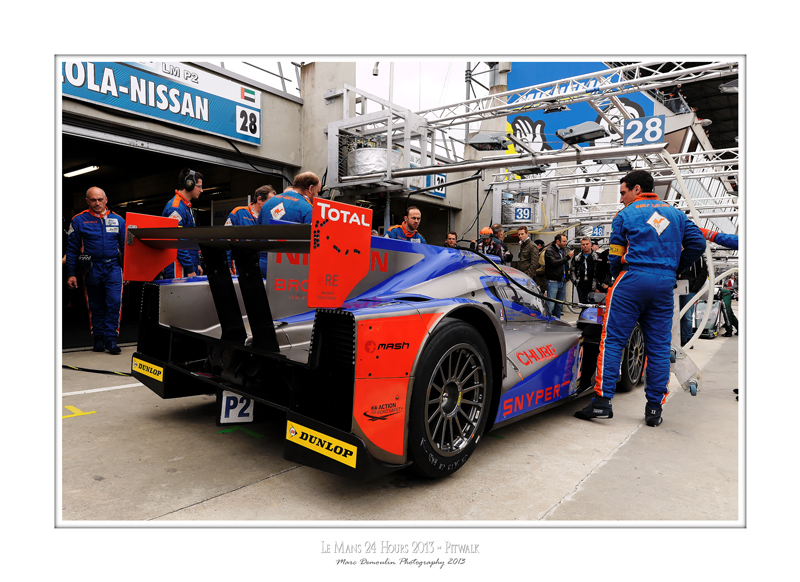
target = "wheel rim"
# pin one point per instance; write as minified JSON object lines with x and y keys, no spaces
{"x":636,"y":354}
{"x":455,"y":399}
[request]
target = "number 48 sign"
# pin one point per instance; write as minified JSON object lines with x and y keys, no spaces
{"x":644,"y":130}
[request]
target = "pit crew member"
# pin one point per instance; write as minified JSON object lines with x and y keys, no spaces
{"x":730,"y":241}
{"x":408,"y":229}
{"x":295,"y":205}
{"x":180,"y":207}
{"x":651,"y":242}
{"x":248,"y":216}
{"x":95,"y":243}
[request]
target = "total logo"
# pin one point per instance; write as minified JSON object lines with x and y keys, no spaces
{"x":337,"y":215}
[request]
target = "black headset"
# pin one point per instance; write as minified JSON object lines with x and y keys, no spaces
{"x":189,"y":181}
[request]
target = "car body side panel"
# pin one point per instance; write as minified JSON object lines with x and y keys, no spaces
{"x":386,"y":350}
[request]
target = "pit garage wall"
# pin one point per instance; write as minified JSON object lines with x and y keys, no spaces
{"x":292,"y":130}
{"x":281,"y":130}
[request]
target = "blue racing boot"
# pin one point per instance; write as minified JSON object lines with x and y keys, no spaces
{"x":599,"y":408}
{"x":99,"y":343}
{"x":112,"y":347}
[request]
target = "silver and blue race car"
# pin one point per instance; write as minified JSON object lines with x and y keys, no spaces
{"x":382,"y":354}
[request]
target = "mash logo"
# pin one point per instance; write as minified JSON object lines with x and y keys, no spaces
{"x":323,"y":444}
{"x":154,"y":372}
{"x":658,"y":222}
{"x":370,"y":346}
{"x":341,"y":215}
{"x":383,"y":411}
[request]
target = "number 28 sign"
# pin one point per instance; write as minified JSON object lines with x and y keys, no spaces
{"x":644,"y":130}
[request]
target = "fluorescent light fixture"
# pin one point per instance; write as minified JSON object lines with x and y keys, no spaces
{"x":85,"y":170}
{"x":587,"y":131}
{"x":490,"y":141}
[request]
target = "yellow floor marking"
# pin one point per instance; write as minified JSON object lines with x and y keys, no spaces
{"x":76,"y":412}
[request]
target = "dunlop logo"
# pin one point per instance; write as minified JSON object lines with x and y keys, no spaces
{"x":148,"y":369}
{"x":322,"y":444}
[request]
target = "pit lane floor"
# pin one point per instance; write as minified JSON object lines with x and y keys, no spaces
{"x":127,"y":455}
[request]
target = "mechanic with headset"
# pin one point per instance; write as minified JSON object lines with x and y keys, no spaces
{"x":248,"y":216}
{"x":408,"y":229}
{"x":295,"y":205}
{"x":190,"y":184}
{"x":651,"y":243}
{"x":95,"y":243}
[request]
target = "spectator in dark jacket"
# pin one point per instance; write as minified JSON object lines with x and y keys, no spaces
{"x":584,"y":269}
{"x":556,"y":270}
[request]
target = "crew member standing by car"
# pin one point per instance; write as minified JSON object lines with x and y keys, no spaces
{"x":95,"y":243}
{"x":408,"y":229}
{"x":247,"y":216}
{"x":190,"y":184}
{"x":730,"y":241}
{"x":295,"y":205}
{"x":651,"y":242}
{"x":556,"y":271}
{"x":528,"y":253}
{"x":451,"y":239}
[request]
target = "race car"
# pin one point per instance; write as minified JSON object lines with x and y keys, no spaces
{"x":382,"y":354}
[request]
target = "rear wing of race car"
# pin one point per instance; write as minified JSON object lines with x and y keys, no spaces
{"x":337,"y":241}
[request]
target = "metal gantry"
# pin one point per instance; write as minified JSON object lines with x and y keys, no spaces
{"x":428,"y":147}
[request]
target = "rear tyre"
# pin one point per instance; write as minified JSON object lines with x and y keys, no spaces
{"x":450,"y":401}
{"x":632,"y":361}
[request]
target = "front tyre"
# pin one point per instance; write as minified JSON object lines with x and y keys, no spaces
{"x":450,"y":401}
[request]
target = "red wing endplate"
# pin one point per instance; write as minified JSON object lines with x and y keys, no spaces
{"x":340,"y":246}
{"x":143,"y":262}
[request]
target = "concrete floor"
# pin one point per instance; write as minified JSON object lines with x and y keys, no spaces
{"x":128,"y":456}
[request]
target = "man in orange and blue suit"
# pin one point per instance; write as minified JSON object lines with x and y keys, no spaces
{"x":651,"y":243}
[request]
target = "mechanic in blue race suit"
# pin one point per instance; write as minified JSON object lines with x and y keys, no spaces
{"x":408,"y":229}
{"x":729,"y":241}
{"x":294,"y":205}
{"x":248,"y":216}
{"x":180,"y":207}
{"x":651,"y":242}
{"x":95,"y":243}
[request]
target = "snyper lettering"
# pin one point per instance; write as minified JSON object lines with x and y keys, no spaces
{"x":338,"y":215}
{"x":533,"y":399}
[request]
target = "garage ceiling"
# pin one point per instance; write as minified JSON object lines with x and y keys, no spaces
{"x":721,"y":108}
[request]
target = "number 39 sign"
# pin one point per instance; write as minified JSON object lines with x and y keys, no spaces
{"x":644,"y":130}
